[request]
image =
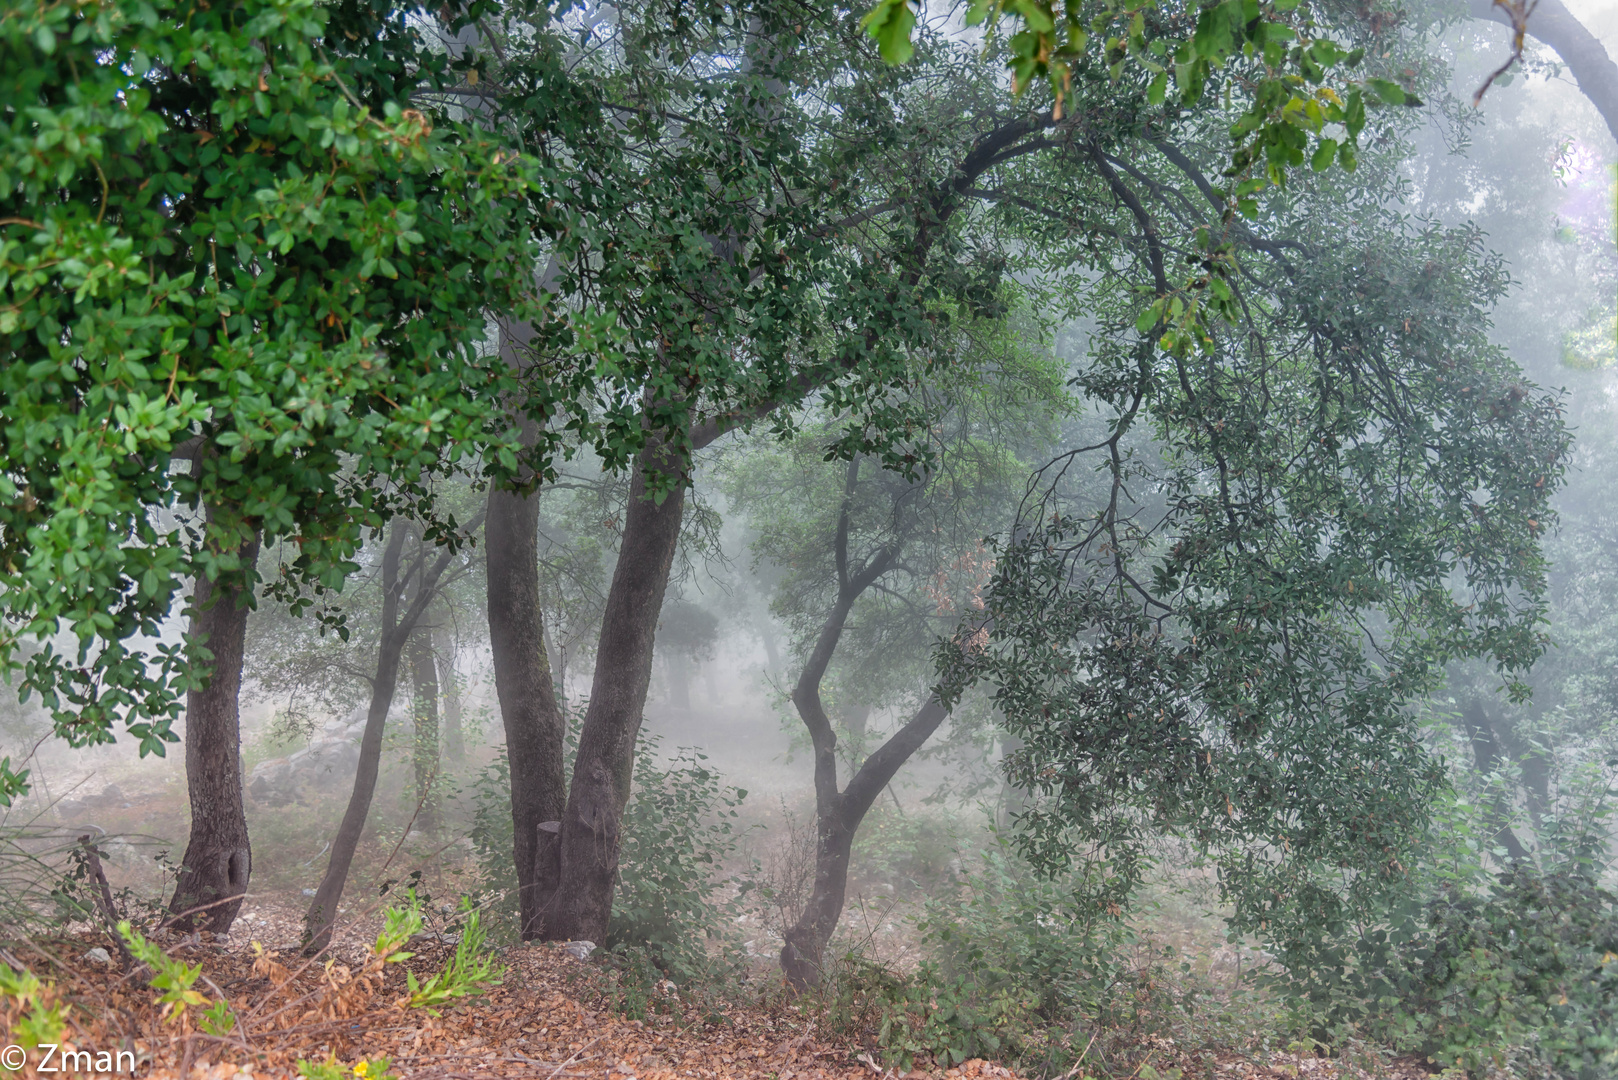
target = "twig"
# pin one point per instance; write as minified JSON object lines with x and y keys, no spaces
{"x":108,"y":911}
{"x":575,"y":1056}
{"x":1517,"y":11}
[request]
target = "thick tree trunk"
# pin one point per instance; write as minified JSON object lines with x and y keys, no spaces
{"x":218,"y":857}
{"x":1579,"y":49}
{"x":577,"y":893}
{"x":534,"y":724}
{"x":424,"y":705}
{"x":449,"y":684}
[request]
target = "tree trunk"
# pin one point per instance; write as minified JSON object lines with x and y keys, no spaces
{"x":218,"y":857}
{"x":424,"y":703}
{"x":399,"y":621}
{"x":577,"y":893}
{"x":322,"y":914}
{"x":838,"y":814}
{"x":1487,"y":753}
{"x":534,"y":724}
{"x":772,"y":654}
{"x":449,"y":683}
{"x":1579,"y":49}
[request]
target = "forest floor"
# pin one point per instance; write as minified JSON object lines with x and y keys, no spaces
{"x":548,"y":1018}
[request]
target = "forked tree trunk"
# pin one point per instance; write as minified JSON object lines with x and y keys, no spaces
{"x":424,"y":706}
{"x":218,"y":857}
{"x":838,"y":814}
{"x":534,"y":724}
{"x":837,"y":820}
{"x":576,"y":885}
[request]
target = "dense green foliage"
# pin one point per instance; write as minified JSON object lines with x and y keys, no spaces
{"x":1476,"y":964}
{"x":211,"y":250}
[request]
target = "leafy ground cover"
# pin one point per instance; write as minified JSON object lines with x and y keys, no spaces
{"x":551,"y":1016}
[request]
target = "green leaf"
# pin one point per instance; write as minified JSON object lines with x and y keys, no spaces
{"x":891,"y":23}
{"x":1324,"y":153}
{"x":1158,"y":90}
{"x":1389,"y":91}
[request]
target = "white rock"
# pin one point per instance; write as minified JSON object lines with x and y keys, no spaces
{"x":98,"y":956}
{"x":579,"y":950}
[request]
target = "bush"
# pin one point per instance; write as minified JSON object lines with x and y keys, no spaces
{"x":677,"y":836}
{"x":1019,"y":971}
{"x":1475,"y":968}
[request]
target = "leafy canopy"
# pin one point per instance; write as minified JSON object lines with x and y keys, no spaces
{"x":211,"y":251}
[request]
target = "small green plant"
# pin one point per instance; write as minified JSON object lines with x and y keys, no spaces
{"x":29,"y":1009}
{"x":331,"y":1069}
{"x":218,"y":1019}
{"x":175,"y":978}
{"x":470,"y":970}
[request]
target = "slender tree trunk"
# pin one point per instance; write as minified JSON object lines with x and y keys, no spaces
{"x":838,"y":816}
{"x":449,"y":683}
{"x":424,"y":702}
{"x":772,"y":653}
{"x":577,"y":894}
{"x":399,"y":621}
{"x":1487,"y":753}
{"x":679,"y":682}
{"x":534,"y":724}
{"x":322,"y":914}
{"x":218,"y":857}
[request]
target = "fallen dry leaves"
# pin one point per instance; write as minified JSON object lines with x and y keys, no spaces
{"x":538,"y":1023}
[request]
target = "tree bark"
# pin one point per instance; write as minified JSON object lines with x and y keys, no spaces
{"x":1579,"y":49}
{"x":576,"y":889}
{"x":424,"y":704}
{"x":218,"y":856}
{"x":534,"y":724}
{"x":449,"y":684}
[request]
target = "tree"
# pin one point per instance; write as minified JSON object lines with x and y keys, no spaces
{"x":713,"y":287}
{"x":803,"y":268}
{"x":213,"y":252}
{"x":875,"y":568}
{"x":410,"y":582}
{"x":1347,"y":490}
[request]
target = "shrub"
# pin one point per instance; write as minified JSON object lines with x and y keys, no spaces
{"x":1475,"y":968}
{"x":678,"y":833}
{"x":1020,"y":970}
{"x":677,"y":836}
